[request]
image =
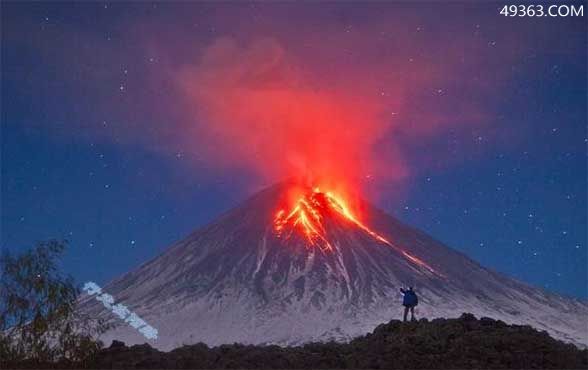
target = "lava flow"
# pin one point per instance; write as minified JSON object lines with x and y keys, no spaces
{"x":307,"y":216}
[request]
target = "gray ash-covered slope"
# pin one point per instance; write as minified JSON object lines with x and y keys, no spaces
{"x":235,"y":280}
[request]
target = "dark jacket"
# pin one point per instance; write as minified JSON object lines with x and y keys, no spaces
{"x":410,"y":298}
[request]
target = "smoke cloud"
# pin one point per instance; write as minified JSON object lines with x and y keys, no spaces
{"x":283,"y":112}
{"x":262,"y":111}
{"x":324,"y":98}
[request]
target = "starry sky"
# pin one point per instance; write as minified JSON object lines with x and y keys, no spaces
{"x":472,"y":126}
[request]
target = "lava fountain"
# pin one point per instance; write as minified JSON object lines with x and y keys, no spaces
{"x":307,"y":216}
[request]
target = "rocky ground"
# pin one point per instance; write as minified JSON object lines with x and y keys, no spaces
{"x":463,"y":343}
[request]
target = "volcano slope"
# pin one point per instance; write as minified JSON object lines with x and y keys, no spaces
{"x":238,"y":280}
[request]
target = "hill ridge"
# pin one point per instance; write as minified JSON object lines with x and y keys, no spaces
{"x":465,"y":342}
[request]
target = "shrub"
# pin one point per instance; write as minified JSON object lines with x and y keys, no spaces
{"x":38,"y":318}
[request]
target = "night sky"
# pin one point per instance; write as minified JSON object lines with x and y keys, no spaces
{"x":115,"y":133}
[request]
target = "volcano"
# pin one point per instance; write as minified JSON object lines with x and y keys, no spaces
{"x":277,"y":272}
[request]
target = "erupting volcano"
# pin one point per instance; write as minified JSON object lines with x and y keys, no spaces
{"x":289,"y":267}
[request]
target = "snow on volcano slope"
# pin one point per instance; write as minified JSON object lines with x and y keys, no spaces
{"x":236,"y":281}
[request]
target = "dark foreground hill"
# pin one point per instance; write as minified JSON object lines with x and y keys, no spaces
{"x":463,"y":343}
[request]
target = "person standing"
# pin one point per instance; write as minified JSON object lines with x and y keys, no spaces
{"x":409,"y":301}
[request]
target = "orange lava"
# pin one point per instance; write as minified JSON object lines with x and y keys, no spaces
{"x":307,"y":216}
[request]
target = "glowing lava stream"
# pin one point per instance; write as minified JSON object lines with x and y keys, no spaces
{"x":307,"y":215}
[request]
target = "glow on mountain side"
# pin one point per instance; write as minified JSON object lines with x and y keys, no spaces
{"x":308,"y":215}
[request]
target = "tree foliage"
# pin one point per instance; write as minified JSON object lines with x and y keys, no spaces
{"x":38,"y":317}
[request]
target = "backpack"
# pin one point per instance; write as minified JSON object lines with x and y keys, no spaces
{"x":410,"y":298}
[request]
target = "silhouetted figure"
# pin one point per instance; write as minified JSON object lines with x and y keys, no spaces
{"x":409,"y":302}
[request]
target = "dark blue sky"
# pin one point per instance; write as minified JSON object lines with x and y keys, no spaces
{"x":92,"y":150}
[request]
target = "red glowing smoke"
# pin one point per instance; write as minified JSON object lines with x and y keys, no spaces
{"x":330,"y":98}
{"x":263,"y":111}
